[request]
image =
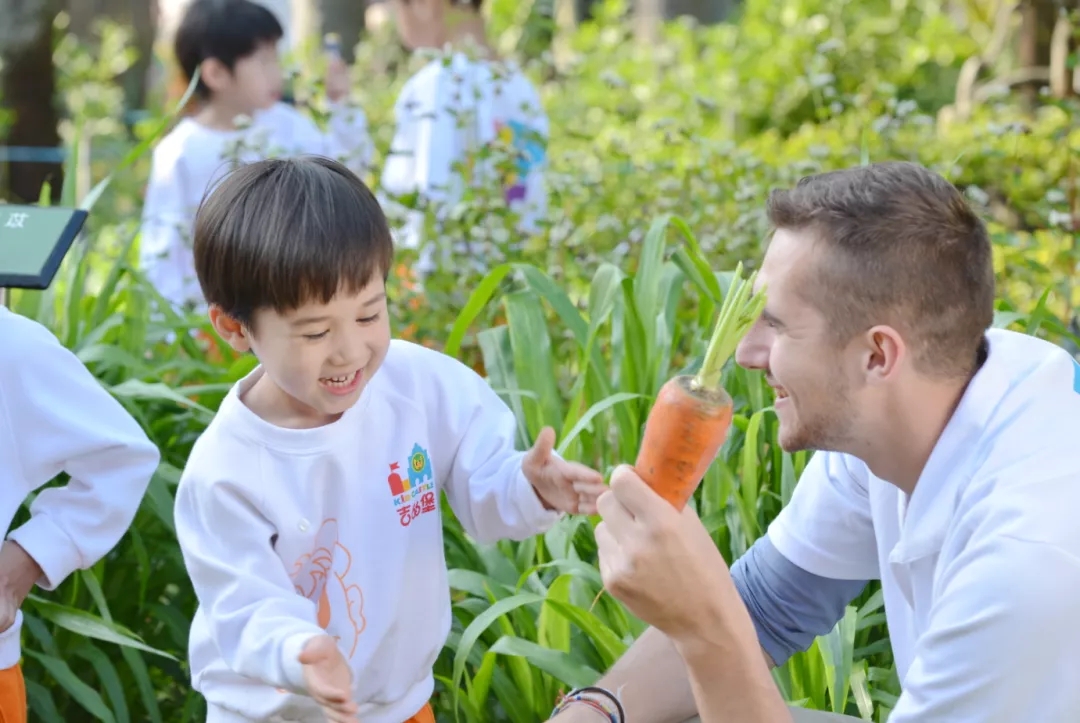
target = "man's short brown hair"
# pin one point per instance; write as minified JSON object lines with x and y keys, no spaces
{"x":280,"y":233}
{"x":903,"y":248}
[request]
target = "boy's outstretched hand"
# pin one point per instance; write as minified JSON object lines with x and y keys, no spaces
{"x":561,"y":485}
{"x":329,"y":679}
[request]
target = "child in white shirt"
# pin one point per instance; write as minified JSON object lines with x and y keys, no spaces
{"x":233,"y":43}
{"x":447,"y":112}
{"x":55,"y":417}
{"x":308,"y":513}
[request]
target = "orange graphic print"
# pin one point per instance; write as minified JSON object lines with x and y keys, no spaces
{"x":322,"y":576}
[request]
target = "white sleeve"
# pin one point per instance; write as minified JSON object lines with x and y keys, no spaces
{"x":420,"y":153}
{"x":348,"y":139}
{"x":166,"y":225}
{"x":485,"y":487}
{"x":258,"y":622}
{"x":826,"y":528}
{"x":65,"y":421}
{"x":1002,"y":641}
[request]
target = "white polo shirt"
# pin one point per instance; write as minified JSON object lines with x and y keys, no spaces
{"x":980,"y":569}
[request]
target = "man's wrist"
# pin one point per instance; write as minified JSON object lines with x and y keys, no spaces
{"x":591,"y":703}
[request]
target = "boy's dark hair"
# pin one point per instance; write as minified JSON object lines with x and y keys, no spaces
{"x":281,"y":232}
{"x":903,"y":248}
{"x":226,"y":30}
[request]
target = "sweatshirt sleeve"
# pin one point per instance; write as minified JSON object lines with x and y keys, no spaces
{"x":165,"y":257}
{"x":420,"y":157}
{"x":348,"y":137}
{"x":486,"y":487}
{"x":257,"y":620}
{"x":65,"y":421}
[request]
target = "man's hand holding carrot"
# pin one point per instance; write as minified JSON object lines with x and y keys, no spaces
{"x":661,"y":563}
{"x":561,"y":485}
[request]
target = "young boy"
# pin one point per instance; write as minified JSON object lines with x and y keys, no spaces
{"x":452,"y":108}
{"x":233,"y":43}
{"x":55,"y":417}
{"x":308,"y":512}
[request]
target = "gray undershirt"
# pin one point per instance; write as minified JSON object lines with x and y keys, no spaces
{"x":789,"y":606}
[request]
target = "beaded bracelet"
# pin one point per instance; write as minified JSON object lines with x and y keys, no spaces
{"x":582,"y":695}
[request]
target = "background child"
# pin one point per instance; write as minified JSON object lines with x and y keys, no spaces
{"x":308,"y":513}
{"x":234,"y":45}
{"x":448,"y":109}
{"x":55,"y":417}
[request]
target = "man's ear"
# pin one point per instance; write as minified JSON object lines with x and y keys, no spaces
{"x":884,"y":352}
{"x":229,"y":329}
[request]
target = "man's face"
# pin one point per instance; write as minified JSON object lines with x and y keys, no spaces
{"x":817,"y":384}
{"x":319,"y":358}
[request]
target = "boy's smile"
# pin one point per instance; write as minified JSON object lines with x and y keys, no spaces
{"x":317,"y":358}
{"x":344,"y":384}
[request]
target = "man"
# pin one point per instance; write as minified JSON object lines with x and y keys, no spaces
{"x":947,"y":468}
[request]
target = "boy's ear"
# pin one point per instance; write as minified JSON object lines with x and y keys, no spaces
{"x":229,"y":329}
{"x":214,"y":74}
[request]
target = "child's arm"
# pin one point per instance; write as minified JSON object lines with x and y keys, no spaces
{"x":64,"y":421}
{"x":486,"y":486}
{"x":348,"y":137}
{"x":258,"y":621}
{"x":162,"y":256}
{"x":420,"y":152}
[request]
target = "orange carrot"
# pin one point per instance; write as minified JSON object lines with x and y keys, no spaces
{"x":692,"y":413}
{"x":691,"y":416}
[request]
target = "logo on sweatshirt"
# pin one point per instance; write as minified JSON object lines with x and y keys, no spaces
{"x":528,"y":150}
{"x":1076,"y":376}
{"x":413,"y":487}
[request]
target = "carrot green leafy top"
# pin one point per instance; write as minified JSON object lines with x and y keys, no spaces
{"x":738,"y":312}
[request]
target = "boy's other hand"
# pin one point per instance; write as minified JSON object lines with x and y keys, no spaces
{"x":337,"y":79}
{"x":18,"y":573}
{"x":329,"y":679}
{"x":561,"y":485}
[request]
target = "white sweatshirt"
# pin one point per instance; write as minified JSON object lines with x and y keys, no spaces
{"x":55,"y":417}
{"x":191,"y":158}
{"x":289,"y":533}
{"x":449,"y":108}
{"x":980,"y":566}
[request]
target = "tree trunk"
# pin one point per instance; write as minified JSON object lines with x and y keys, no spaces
{"x":583,"y":9}
{"x":28,"y":89}
{"x":138,"y":15}
{"x":1037,"y":19}
{"x":648,"y":14}
{"x":704,"y":11}
{"x":346,"y":18}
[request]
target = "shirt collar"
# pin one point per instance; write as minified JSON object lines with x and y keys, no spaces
{"x":932,"y":505}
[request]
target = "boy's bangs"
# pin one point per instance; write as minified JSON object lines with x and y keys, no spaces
{"x":324,"y":252}
{"x":280,"y":234}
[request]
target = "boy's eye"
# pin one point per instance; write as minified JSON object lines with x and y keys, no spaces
{"x":368,"y":319}
{"x":313,"y":337}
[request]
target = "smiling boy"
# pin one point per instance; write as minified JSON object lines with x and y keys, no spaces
{"x":308,"y":511}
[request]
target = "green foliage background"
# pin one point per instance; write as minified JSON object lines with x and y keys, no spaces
{"x":662,"y":156}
